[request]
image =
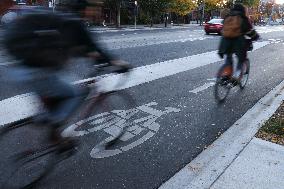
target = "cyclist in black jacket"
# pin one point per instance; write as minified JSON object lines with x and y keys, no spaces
{"x":238,"y":45}
{"x":44,"y":42}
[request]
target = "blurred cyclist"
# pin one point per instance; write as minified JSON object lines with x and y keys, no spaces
{"x":44,"y":42}
{"x":236,"y":25}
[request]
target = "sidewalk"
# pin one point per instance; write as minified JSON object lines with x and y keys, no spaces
{"x":144,"y":27}
{"x":237,"y":159}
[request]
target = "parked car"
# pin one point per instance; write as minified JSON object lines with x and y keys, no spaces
{"x":214,"y":26}
{"x":8,"y":17}
{"x":15,"y":12}
{"x":22,"y":9}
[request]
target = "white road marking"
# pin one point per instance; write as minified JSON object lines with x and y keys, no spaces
{"x":141,"y":128}
{"x":202,"y":88}
{"x":156,"y":71}
{"x":18,"y":107}
{"x":15,"y":108}
{"x":128,"y":43}
{"x":146,"y":40}
{"x":269,"y":29}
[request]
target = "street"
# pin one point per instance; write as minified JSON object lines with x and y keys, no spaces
{"x":176,"y":116}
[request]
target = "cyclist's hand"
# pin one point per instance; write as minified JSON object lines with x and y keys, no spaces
{"x":122,"y":66}
{"x":221,"y":55}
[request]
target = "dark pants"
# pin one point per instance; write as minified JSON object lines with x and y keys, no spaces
{"x":242,"y":56}
{"x":238,"y":46}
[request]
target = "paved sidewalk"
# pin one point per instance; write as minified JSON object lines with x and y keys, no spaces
{"x":238,"y":160}
{"x":260,"y":165}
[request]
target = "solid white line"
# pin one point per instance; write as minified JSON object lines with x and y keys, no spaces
{"x":206,"y":168}
{"x":12,"y":109}
{"x":18,"y":107}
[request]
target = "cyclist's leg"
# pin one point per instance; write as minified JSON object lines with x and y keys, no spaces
{"x":68,"y":99}
{"x":242,"y":55}
{"x":72,"y":97}
{"x":226,"y":70}
{"x":229,"y":59}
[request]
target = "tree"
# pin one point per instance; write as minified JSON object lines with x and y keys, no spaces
{"x":206,"y":6}
{"x":115,"y":5}
{"x":249,"y":3}
{"x":182,"y":7}
{"x":211,"y":6}
{"x":154,"y":7}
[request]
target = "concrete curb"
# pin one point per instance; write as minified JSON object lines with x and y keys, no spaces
{"x":208,"y":166}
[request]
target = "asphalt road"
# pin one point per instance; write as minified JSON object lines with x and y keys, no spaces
{"x":174,"y":118}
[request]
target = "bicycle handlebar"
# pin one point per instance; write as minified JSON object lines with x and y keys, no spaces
{"x":106,"y":69}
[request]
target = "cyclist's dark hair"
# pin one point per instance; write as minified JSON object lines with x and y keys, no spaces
{"x":240,"y":8}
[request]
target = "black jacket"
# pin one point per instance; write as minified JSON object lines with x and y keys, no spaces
{"x":47,"y":39}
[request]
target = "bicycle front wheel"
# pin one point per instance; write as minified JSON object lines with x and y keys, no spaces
{"x":223,"y":80}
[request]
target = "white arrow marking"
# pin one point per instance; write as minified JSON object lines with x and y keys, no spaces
{"x":202,"y":88}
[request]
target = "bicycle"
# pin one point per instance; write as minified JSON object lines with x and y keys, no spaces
{"x":29,"y":167}
{"x":225,"y":82}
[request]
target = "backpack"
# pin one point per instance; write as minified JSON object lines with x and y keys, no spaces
{"x":37,"y":41}
{"x":232,"y":26}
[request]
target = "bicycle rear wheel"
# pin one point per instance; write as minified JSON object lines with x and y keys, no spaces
{"x":26,"y":169}
{"x":223,"y":80}
{"x":14,"y":125}
{"x":245,"y":74}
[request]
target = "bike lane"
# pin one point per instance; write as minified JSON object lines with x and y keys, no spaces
{"x":182,"y":123}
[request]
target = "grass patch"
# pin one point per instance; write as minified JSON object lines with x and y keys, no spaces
{"x":274,"y":126}
{"x":273,"y":129}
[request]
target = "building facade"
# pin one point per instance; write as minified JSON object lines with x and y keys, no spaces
{"x":6,"y":4}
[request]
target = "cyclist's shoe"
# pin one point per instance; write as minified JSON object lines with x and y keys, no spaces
{"x":225,"y":80}
{"x":122,"y":66}
{"x":235,"y":82}
{"x":123,"y":69}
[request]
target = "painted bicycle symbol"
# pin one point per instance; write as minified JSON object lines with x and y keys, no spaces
{"x":139,"y":129}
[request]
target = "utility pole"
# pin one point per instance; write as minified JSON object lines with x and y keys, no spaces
{"x":166,"y":19}
{"x":135,"y":13}
{"x":53,"y":5}
{"x":203,"y":12}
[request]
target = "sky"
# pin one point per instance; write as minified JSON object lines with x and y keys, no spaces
{"x":279,"y":1}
